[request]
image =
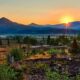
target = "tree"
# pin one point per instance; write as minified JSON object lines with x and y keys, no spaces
{"x":48,"y":40}
{"x":8,"y":41}
{"x":30,"y":40}
{"x":63,"y":40}
{"x":0,"y":41}
{"x":54,"y":42}
{"x":75,"y":47}
{"x":78,"y":37}
{"x":19,"y":40}
{"x":33,"y":41}
{"x":7,"y":73}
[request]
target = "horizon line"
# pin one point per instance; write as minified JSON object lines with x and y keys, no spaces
{"x":37,"y":23}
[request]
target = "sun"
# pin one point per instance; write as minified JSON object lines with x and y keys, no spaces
{"x":66,"y":19}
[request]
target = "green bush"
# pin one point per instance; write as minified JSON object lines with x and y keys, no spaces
{"x":7,"y":73}
{"x":17,"y":54}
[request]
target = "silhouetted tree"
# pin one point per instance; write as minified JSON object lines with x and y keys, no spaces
{"x":54,"y":42}
{"x":75,"y":47}
{"x":19,"y":40}
{"x":8,"y":41}
{"x":0,"y":41}
{"x":48,"y":40}
{"x":27,"y":41}
{"x":30,"y":40}
{"x":63,"y":40}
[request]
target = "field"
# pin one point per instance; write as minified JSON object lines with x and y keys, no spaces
{"x":31,"y":58}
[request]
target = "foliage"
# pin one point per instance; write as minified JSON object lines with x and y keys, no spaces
{"x":63,"y":40}
{"x":18,"y":39}
{"x":65,"y":77}
{"x":54,"y":75}
{"x":78,"y":77}
{"x":7,"y":73}
{"x":34,"y":51}
{"x":75,"y":47}
{"x":30,"y":40}
{"x":0,"y":41}
{"x":17,"y":54}
{"x":48,"y":40}
{"x":40,"y":65}
{"x":54,"y":42}
{"x":53,"y":51}
{"x":50,"y":75}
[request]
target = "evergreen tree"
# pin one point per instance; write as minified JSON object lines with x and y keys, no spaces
{"x":48,"y":40}
{"x":75,"y":47}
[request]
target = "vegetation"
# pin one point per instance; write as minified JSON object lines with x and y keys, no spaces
{"x":75,"y":48}
{"x":52,"y":75}
{"x":30,"y":40}
{"x":78,"y":77}
{"x":48,"y":40}
{"x":53,"y":51}
{"x":7,"y":73}
{"x":16,"y":55}
{"x":51,"y":69}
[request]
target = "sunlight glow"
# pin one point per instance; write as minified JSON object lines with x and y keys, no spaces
{"x":66,"y":19}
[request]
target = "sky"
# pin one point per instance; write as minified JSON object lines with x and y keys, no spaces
{"x":39,"y":11}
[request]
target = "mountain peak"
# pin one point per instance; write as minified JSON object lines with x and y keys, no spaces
{"x":4,"y":20}
{"x":33,"y":24}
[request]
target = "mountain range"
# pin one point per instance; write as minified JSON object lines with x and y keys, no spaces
{"x":9,"y":27}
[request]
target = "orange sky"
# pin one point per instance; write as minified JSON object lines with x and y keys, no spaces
{"x":39,"y":11}
{"x":50,"y":17}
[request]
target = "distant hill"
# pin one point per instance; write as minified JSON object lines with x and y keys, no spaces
{"x":9,"y":27}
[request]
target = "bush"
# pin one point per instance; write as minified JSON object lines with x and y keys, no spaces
{"x":16,"y":55}
{"x":7,"y":73}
